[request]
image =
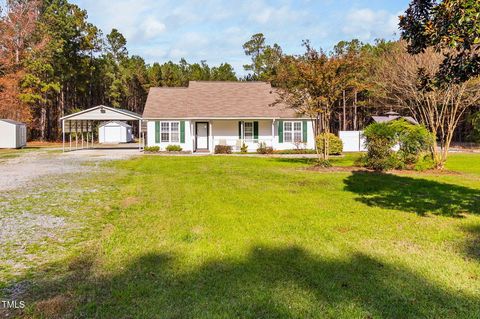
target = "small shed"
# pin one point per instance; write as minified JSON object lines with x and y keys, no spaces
{"x":13,"y":134}
{"x":115,"y":132}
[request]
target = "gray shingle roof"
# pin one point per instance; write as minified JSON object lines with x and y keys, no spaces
{"x":386,"y":119}
{"x":216,"y":100}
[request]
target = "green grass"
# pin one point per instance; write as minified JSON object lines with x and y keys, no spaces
{"x":464,"y":162}
{"x":239,"y":237}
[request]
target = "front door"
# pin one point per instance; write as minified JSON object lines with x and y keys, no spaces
{"x":201,"y":129}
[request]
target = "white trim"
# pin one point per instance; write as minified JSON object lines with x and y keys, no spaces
{"x":170,"y":132}
{"x":132,"y":115}
{"x":293,"y":131}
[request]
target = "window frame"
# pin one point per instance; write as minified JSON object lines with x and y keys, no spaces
{"x":292,"y":131}
{"x":169,"y":131}
{"x":245,"y":130}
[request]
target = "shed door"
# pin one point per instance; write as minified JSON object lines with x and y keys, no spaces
{"x":113,"y":134}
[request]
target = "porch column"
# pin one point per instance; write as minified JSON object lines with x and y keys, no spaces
{"x":139,"y":135}
{"x":273,"y":132}
{"x":210,"y":129}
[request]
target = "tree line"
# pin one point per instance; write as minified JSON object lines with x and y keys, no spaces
{"x":54,"y":62}
{"x":340,"y":89}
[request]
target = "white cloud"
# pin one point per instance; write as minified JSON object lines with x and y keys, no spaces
{"x":151,"y":27}
{"x":215,"y":30}
{"x":367,"y":24}
{"x":264,"y":14}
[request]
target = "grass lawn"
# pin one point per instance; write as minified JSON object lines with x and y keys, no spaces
{"x":238,"y":237}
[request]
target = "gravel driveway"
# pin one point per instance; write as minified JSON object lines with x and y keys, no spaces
{"x":40,"y":210}
{"x":25,"y":170}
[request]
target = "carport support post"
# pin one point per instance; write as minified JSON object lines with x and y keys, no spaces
{"x":81,"y":128}
{"x":63,"y":136}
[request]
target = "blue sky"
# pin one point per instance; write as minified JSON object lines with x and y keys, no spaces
{"x":214,"y":30}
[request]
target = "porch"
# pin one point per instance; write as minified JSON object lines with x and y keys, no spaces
{"x":233,"y":133}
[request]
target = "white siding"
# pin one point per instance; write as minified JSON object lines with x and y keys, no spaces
{"x":187,"y":146}
{"x":287,"y":145}
{"x":226,"y":131}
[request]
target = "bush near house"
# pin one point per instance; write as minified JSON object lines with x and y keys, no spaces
{"x":264,"y":149}
{"x":244,"y":148}
{"x":223,"y":149}
{"x":174,"y":148}
{"x":335,"y":143}
{"x":381,"y":138}
{"x":296,"y":151}
{"x":152,"y":149}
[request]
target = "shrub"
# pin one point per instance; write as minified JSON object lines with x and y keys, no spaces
{"x":335,"y":144}
{"x":244,"y":148}
{"x":174,"y":148}
{"x":296,"y":151}
{"x":412,"y":140}
{"x":264,"y":149}
{"x":380,"y":139}
{"x":223,"y":149}
{"x":424,"y":163}
{"x":152,"y":149}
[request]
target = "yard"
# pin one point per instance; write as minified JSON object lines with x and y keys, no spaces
{"x":223,"y":237}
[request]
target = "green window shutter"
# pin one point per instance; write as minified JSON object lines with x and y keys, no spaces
{"x":305,"y":135}
{"x":255,"y":130}
{"x":157,"y":132}
{"x":182,"y":131}
{"x":240,"y":130}
{"x":280,"y":131}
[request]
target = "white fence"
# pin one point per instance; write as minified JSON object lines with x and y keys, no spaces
{"x":353,"y":141}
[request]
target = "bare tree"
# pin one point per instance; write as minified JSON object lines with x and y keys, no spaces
{"x":404,"y":78}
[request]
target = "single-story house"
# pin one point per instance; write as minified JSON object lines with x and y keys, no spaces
{"x":206,"y":114}
{"x":13,"y":134}
{"x":115,"y":132}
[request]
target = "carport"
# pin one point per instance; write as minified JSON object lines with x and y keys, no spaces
{"x":82,"y":126}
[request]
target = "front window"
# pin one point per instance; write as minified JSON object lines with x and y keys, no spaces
{"x":169,"y":132}
{"x":248,"y":131}
{"x":292,"y":132}
{"x":174,"y":132}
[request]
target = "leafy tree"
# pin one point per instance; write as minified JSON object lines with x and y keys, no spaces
{"x":451,"y":27}
{"x":155,"y":75}
{"x":440,"y":109}
{"x":116,"y":46}
{"x":265,"y":58}
{"x":17,"y":26}
{"x":224,"y":72}
{"x":311,"y":84}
